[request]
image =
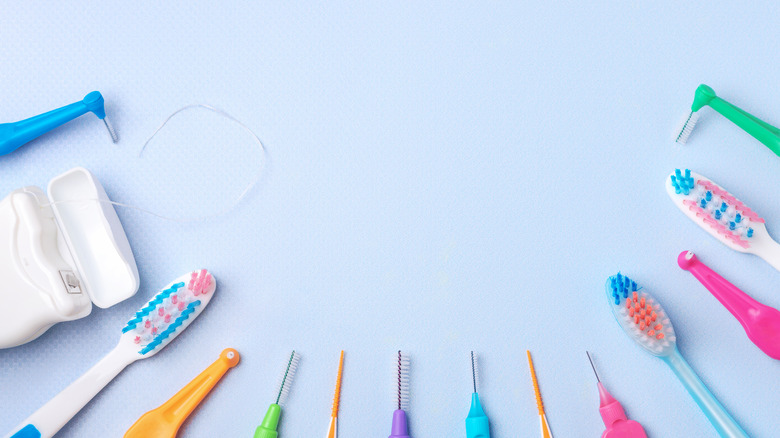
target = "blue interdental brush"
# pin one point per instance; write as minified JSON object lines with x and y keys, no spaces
{"x":14,"y":135}
{"x":477,"y":424}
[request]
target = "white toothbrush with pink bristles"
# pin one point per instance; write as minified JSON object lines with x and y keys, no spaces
{"x":152,"y":328}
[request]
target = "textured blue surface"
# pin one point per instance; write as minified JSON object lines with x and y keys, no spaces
{"x":440,"y":178}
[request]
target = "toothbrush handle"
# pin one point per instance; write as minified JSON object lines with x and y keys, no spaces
{"x":760,"y":130}
{"x":770,"y":252}
{"x":166,"y":419}
{"x":52,"y":416}
{"x":715,"y":412}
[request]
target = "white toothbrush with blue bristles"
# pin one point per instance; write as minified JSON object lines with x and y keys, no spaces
{"x":722,"y":215}
{"x":154,"y":326}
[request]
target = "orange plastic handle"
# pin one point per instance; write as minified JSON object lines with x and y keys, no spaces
{"x":164,"y":422}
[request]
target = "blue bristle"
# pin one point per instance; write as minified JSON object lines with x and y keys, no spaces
{"x":708,"y":196}
{"x":682,"y":184}
{"x":717,"y":214}
{"x":139,"y":316}
{"x":621,"y":287}
{"x":676,"y":186}
{"x":732,"y":226}
{"x":750,"y":232}
{"x":171,"y":328}
{"x":724,"y":207}
{"x":738,"y":218}
{"x":703,"y":203}
{"x":691,"y":182}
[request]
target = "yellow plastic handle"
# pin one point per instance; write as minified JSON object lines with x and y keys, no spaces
{"x":164,"y":422}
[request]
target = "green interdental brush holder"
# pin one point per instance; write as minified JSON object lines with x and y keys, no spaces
{"x":761,"y":130}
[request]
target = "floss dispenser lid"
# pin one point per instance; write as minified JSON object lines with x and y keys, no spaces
{"x":94,"y":237}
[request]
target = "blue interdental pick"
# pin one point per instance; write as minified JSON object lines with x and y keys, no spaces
{"x":14,"y":135}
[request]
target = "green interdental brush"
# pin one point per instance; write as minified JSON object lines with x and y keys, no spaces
{"x":761,"y":130}
{"x":267,"y":429}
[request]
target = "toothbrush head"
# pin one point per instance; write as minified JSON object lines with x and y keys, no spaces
{"x":716,"y":210}
{"x":402,"y":365}
{"x":286,"y":379}
{"x":474,"y":372}
{"x":170,"y":311}
{"x":640,"y":315}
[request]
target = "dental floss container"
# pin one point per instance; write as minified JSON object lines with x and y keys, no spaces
{"x":58,"y":258}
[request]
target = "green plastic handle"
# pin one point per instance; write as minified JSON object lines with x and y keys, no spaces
{"x":267,"y":429}
{"x":761,"y":130}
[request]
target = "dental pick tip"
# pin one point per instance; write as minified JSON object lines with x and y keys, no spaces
{"x":111,"y":131}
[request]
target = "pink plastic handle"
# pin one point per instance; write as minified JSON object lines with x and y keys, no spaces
{"x":761,"y":323}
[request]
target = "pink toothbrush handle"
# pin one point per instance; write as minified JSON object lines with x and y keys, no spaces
{"x":761,"y":323}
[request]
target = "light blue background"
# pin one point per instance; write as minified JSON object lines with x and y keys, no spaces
{"x":440,"y":178}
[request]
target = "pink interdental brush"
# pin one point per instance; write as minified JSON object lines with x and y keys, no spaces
{"x":613,"y":414}
{"x":761,"y":322}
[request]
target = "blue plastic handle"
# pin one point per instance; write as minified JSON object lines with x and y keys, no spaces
{"x":28,"y":431}
{"x":14,"y":135}
{"x":477,"y":423}
{"x":715,"y":412}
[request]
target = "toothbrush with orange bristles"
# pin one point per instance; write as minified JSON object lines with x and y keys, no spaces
{"x":546,"y":433}
{"x":333,"y":429}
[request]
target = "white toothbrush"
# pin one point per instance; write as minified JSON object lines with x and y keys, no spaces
{"x":722,"y":215}
{"x":151,"y":329}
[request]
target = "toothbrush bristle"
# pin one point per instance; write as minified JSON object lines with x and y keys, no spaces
{"x":402,"y":364}
{"x":168,"y":313}
{"x":686,"y":127}
{"x":286,"y":379}
{"x":640,"y":315}
{"x":716,"y":208}
{"x":111,"y":130}
{"x":474,"y":371}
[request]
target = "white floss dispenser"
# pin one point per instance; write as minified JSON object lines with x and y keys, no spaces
{"x":60,"y":254}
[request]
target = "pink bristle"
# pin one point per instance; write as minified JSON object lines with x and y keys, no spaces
{"x":167,"y":318}
{"x":137,"y":339}
{"x":193,"y":278}
{"x":181,"y":306}
{"x":148,"y":323}
{"x":174,"y":299}
{"x":729,"y":198}
{"x":720,"y":228}
{"x":161,"y":311}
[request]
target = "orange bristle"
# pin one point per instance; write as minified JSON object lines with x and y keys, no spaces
{"x":337,"y":395}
